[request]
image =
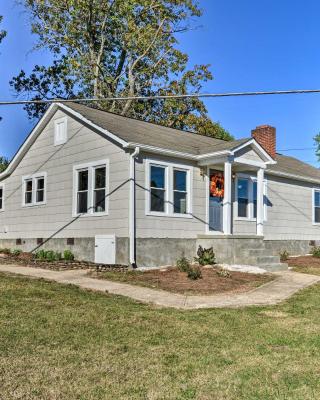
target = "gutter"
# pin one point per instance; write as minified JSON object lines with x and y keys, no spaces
{"x":132,"y":208}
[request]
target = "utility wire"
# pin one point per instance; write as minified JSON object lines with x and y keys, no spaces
{"x":162,"y":97}
{"x":301,"y":149}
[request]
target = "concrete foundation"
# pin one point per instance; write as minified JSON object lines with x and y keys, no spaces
{"x":154,"y":252}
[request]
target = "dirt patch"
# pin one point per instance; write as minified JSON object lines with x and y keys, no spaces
{"x":305,"y":264}
{"x":175,"y":281}
{"x":304,"y":261}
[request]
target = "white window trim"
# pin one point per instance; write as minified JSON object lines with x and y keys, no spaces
{"x":63,"y":120}
{"x":90,"y":166}
{"x":250,"y":216}
{"x":2,"y":186}
{"x":34,"y":178}
{"x":169,"y":167}
{"x":314,"y":190}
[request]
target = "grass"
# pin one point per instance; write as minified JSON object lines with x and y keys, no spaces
{"x":60,"y":342}
{"x":305,"y":264}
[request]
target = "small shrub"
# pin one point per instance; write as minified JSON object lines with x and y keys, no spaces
{"x":5,"y":251}
{"x":40,"y":255}
{"x":48,"y":255}
{"x":16,"y":252}
{"x":223,"y":273}
{"x":194,"y":272}
{"x":316,"y":252}
{"x":68,"y":255}
{"x":183,"y":264}
{"x":284,"y":255}
{"x":205,"y":256}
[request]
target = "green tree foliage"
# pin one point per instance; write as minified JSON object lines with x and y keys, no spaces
{"x":3,"y":163}
{"x":107,"y":48}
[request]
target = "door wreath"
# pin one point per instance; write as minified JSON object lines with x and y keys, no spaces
{"x":217,"y":185}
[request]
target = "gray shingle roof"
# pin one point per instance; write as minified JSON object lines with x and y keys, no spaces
{"x":293,"y":166}
{"x":135,"y":131}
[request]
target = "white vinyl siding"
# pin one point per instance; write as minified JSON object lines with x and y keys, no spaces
{"x":82,"y":147}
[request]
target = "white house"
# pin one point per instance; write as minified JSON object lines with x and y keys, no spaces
{"x":117,"y":190}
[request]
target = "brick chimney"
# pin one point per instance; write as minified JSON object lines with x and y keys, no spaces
{"x":265,"y":135}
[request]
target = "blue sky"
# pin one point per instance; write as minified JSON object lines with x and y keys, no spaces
{"x":251,"y":46}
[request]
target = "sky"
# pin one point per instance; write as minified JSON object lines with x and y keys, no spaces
{"x":251,"y":46}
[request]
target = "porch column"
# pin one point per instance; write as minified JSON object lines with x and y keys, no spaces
{"x":260,"y":205}
{"x":227,"y":198}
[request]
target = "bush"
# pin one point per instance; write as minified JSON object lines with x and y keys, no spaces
{"x":68,"y":255}
{"x":48,"y":255}
{"x":223,"y":273}
{"x":205,"y":256}
{"x":5,"y":251}
{"x":16,"y":252}
{"x":194,"y":272}
{"x":183,"y":264}
{"x":40,"y":255}
{"x":316,"y":252}
{"x":284,"y":255}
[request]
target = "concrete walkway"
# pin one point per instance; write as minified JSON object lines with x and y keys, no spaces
{"x":285,"y":285}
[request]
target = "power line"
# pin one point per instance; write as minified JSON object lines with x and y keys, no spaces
{"x":162,"y":97}
{"x":298,"y":149}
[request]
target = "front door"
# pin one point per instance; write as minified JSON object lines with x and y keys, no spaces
{"x":216,"y":193}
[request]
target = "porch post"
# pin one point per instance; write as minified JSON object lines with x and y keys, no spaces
{"x":260,"y":205}
{"x":227,"y":198}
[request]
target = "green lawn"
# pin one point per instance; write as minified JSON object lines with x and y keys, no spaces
{"x":59,"y":342}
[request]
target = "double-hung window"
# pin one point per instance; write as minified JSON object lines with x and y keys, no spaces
{"x":246,"y":197}
{"x":169,"y":189}
{"x":34,"y":189}
{"x":90,"y":186}
{"x":1,"y":197}
{"x":158,"y":188}
{"x":316,"y":206}
{"x":243,"y":197}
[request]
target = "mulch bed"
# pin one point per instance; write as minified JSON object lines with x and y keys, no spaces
{"x":175,"y":281}
{"x":304,"y":261}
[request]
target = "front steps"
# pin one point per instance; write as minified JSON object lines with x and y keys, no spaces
{"x":242,"y":250}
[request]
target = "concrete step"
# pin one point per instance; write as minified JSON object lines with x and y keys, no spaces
{"x":268,"y":259}
{"x":274,"y":267}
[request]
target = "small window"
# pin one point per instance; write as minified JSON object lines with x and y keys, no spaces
{"x":180,"y":191}
{"x":40,"y":190}
{"x":157,"y":188}
{"x":1,"y":198}
{"x":83,"y":190}
{"x":317,"y":206}
{"x":60,"y":131}
{"x":243,"y":197}
{"x":28,"y":191}
{"x":34,"y":189}
{"x":99,"y":201}
{"x":254,"y":198}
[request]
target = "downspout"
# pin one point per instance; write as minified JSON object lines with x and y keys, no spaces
{"x":132,"y":208}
